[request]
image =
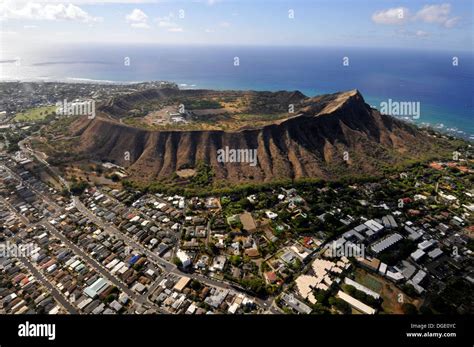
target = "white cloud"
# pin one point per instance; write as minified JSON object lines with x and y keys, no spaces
{"x":169,"y":22}
{"x":397,"y":15}
{"x":39,"y":11}
{"x":137,"y":19}
{"x":136,"y":16}
{"x":451,"y":22}
{"x":439,"y":14}
{"x":431,"y":14}
{"x":434,"y":13}
{"x":224,"y":24}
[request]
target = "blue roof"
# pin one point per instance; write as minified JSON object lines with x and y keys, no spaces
{"x":134,"y":259}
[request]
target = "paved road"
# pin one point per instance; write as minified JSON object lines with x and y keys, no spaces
{"x":94,"y":264}
{"x":52,"y":289}
{"x":140,"y":299}
{"x":36,"y":273}
{"x":266,"y":304}
{"x":44,"y":197}
{"x":12,"y":209}
{"x":26,"y":148}
{"x":165,"y":265}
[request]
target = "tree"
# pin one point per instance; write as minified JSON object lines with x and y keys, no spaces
{"x":196,"y":285}
{"x":110,"y":298}
{"x":296,"y":265}
{"x":212,"y":248}
{"x":409,"y":289}
{"x":235,"y":260}
{"x":114,"y":177}
{"x":245,"y":204}
{"x":77,"y":188}
{"x":349,"y":289}
{"x":340,"y":305}
{"x":177,"y":262}
{"x":256,"y":285}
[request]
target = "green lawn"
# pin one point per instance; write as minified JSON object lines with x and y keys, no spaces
{"x":35,"y":114}
{"x":368,"y":280}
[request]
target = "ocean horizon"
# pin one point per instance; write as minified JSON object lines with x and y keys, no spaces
{"x":443,"y":90}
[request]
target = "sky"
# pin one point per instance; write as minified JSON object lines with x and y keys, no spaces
{"x":417,"y":24}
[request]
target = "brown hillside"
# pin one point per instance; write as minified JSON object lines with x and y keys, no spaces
{"x":310,"y":144}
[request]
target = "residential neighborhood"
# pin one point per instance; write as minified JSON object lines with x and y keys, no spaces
{"x":393,"y":247}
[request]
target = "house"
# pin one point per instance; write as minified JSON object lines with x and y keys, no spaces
{"x":233,"y":308}
{"x":115,"y":305}
{"x":288,"y":257}
{"x":139,"y":288}
{"x":407,"y":269}
{"x":248,"y":222}
{"x":96,"y":288}
{"x":300,"y":251}
{"x":252,"y":252}
{"x":271,"y":215}
{"x":419,"y":277}
{"x":219,"y":263}
{"x":447,"y":198}
{"x":202,"y":262}
{"x":413,"y":234}
{"x":386,"y":243}
{"x":374,"y":225}
{"x":217,"y":297}
{"x":372,"y":264}
{"x":252,"y":199}
{"x":296,"y":304}
{"x":182,"y":283}
{"x":270,"y":277}
{"x":383,"y":268}
{"x":162,"y":249}
{"x":426,"y":244}
{"x":417,"y":255}
{"x":435,"y":253}
{"x":184,"y":258}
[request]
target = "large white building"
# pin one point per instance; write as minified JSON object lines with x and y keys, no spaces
{"x":358,"y":305}
{"x":183,"y":257}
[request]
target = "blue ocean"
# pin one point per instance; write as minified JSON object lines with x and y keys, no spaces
{"x":441,"y":81}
